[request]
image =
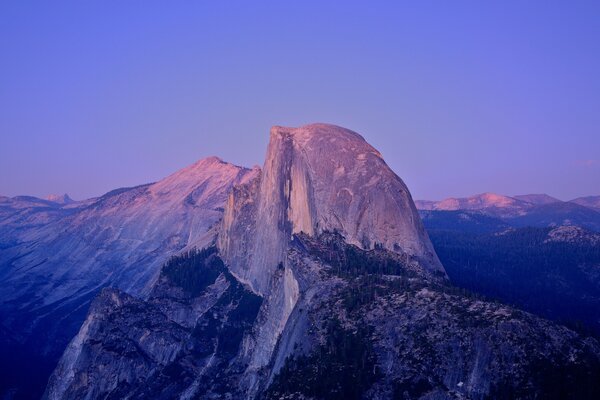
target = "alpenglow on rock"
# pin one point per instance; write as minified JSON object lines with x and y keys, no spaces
{"x":319,"y":178}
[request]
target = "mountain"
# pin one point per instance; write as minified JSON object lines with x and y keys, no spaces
{"x":322,"y":284}
{"x":319,"y":178}
{"x":493,"y":204}
{"x":538,"y":199}
{"x":556,"y":214}
{"x":572,"y":235}
{"x":55,"y":258}
{"x":590,"y":201}
{"x":537,"y":210}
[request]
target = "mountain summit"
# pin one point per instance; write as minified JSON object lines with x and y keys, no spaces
{"x":319,"y":178}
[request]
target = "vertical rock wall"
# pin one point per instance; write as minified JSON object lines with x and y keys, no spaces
{"x":319,"y":178}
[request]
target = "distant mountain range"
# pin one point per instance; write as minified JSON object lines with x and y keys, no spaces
{"x":537,"y":210}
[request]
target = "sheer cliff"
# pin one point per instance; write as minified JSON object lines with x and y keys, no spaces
{"x":319,"y":178}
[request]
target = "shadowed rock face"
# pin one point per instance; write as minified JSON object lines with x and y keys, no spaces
{"x":319,"y":178}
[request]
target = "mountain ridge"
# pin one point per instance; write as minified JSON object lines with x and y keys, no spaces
{"x":538,"y":210}
{"x":491,"y":199}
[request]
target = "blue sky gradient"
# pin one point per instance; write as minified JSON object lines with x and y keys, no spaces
{"x":461,"y":97}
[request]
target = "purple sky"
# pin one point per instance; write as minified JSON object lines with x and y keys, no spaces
{"x":460,"y":97}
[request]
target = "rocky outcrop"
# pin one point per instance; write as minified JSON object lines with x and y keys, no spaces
{"x":405,"y":334}
{"x":573,"y":234}
{"x":319,"y":178}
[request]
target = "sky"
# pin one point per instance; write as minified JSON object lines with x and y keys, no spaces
{"x":460,"y":97}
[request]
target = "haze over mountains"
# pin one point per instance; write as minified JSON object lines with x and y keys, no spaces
{"x":316,"y":279}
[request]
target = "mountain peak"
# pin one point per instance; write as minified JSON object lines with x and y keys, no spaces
{"x":211,"y":160}
{"x":320,"y":178}
{"x":210,"y":173}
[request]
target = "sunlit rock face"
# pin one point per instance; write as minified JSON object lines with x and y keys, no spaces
{"x":319,"y":178}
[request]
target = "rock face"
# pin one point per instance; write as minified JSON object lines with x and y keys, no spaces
{"x":315,"y":179}
{"x":55,"y":258}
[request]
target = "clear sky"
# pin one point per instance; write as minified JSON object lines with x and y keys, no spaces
{"x":461,"y":97}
